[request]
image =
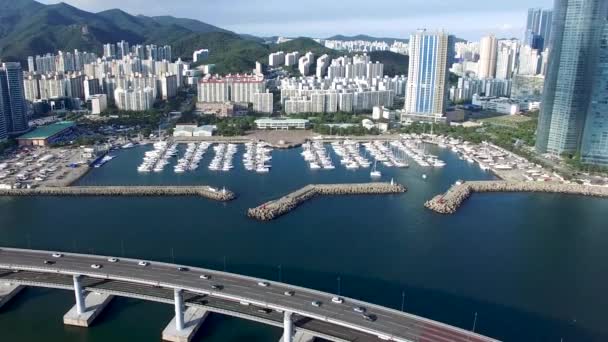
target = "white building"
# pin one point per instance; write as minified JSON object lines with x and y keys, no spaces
{"x":281,"y":123}
{"x":276,"y":59}
{"x":139,"y":99}
{"x":487,"y":57}
{"x":263,"y":102}
{"x":292,"y":58}
{"x":500,"y":105}
{"x":234,"y":88}
{"x":99,"y":103}
{"x":168,"y":86}
{"x":200,"y":55}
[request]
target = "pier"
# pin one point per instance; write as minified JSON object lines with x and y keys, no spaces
{"x":449,"y":202}
{"x":273,"y":209}
{"x":222,"y":195}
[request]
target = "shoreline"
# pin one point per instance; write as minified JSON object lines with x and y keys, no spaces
{"x":455,"y":196}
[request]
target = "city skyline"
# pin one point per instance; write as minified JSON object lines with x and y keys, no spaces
{"x":321,"y":20}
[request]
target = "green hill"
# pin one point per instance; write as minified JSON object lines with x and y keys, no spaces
{"x":394,"y":63}
{"x":28,"y":28}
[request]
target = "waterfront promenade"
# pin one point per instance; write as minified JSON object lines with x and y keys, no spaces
{"x":139,"y":191}
{"x":273,"y":209}
{"x":451,"y":200}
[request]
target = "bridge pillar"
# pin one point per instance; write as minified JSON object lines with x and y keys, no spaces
{"x":8,"y":291}
{"x":186,"y":322}
{"x":80,"y":304}
{"x":287,"y":327}
{"x":179,"y":310}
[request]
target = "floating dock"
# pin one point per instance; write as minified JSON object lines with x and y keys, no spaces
{"x":140,"y":191}
{"x":449,"y":202}
{"x":273,"y":209}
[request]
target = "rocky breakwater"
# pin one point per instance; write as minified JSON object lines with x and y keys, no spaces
{"x":135,"y":191}
{"x":273,"y":209}
{"x":449,"y":202}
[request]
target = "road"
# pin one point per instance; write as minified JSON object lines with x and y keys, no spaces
{"x":157,"y":281}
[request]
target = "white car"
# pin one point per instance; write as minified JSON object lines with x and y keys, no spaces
{"x":112,"y":260}
{"x":143,"y":263}
{"x":263,"y":284}
{"x":205,"y":276}
{"x":337,"y":300}
{"x":316,"y":304}
{"x":96,"y":266}
{"x":359,"y":309}
{"x":57,"y":255}
{"x":289,"y":293}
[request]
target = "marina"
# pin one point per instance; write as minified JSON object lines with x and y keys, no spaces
{"x":222,"y":161}
{"x":378,"y":230}
{"x":382,"y":152}
{"x":257,"y":157}
{"x":350,"y":154}
{"x":414,"y":148}
{"x":316,"y":155}
{"x":192,"y":157}
{"x":158,"y":158}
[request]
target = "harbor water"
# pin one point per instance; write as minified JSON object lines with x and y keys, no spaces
{"x":532,"y":266}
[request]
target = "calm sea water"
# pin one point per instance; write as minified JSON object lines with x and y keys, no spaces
{"x":532,"y":266}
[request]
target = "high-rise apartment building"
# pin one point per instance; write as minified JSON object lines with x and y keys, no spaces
{"x":487,"y":57}
{"x":430,"y":57}
{"x":572,"y":76}
{"x":13,"y":107}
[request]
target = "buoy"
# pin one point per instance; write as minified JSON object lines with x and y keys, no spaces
{"x":424,"y":176}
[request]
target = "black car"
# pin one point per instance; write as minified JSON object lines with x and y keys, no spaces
{"x":371,"y":318}
{"x":49,"y":262}
{"x":264,"y":310}
{"x":217,"y":287}
{"x":182,"y":269}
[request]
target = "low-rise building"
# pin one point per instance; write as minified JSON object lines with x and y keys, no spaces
{"x":281,"y":123}
{"x":46,"y":135}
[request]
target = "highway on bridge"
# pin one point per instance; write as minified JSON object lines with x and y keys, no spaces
{"x":233,"y":294}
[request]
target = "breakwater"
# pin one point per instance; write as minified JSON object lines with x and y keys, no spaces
{"x":135,"y":191}
{"x":273,"y":209}
{"x":449,"y":202}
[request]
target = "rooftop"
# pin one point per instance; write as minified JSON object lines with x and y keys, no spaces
{"x":48,"y":131}
{"x":277,"y":120}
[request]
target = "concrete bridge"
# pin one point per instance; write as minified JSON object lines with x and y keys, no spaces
{"x":194,"y":292}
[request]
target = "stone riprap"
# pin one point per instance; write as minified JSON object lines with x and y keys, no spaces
{"x":134,"y":191}
{"x":449,"y":202}
{"x":273,"y":209}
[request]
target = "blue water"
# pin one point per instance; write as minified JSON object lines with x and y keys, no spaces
{"x":532,"y":266}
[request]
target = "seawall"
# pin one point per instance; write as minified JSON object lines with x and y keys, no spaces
{"x":139,"y":191}
{"x":449,"y":202}
{"x":273,"y":209}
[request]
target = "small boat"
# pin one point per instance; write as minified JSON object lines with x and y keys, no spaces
{"x":375,"y":173}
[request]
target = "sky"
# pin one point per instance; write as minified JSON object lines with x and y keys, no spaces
{"x":469,"y":19}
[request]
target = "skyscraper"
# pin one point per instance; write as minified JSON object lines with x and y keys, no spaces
{"x":571,"y":74}
{"x":487,"y":57}
{"x":538,"y":28}
{"x":12,"y":99}
{"x":430,"y":56}
{"x":594,"y":148}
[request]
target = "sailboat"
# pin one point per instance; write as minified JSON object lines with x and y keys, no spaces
{"x":375,"y":173}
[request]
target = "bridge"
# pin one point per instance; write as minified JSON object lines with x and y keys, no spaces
{"x":302,"y":313}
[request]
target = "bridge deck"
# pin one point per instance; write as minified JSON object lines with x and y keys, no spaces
{"x":157,"y":280}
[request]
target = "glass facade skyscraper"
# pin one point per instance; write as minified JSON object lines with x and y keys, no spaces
{"x":576,"y":32}
{"x":12,"y":99}
{"x":594,"y":148}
